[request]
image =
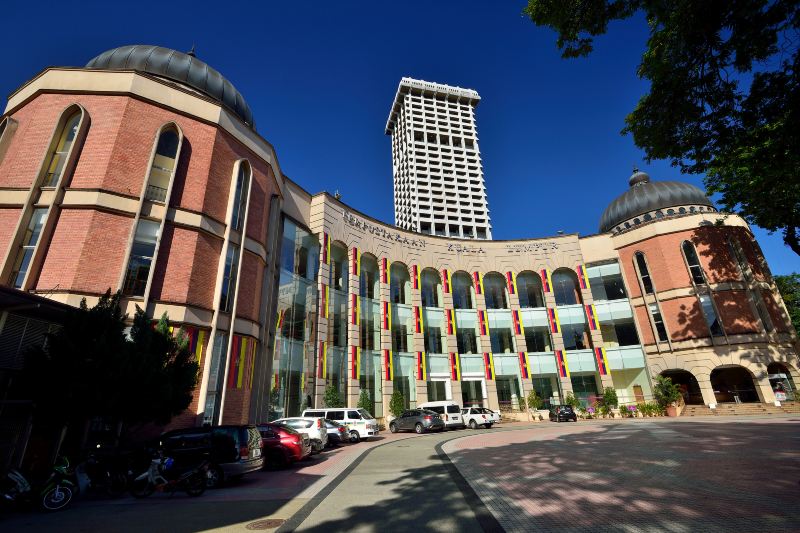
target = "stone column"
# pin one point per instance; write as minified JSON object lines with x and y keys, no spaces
{"x":318,"y":383}
{"x":418,"y":344}
{"x":386,"y":335}
{"x":565,"y":384}
{"x":353,"y":333}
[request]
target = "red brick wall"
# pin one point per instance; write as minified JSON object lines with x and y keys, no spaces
{"x":9,"y":218}
{"x":779,"y":318}
{"x":252,"y":273}
{"x":735,"y":312}
{"x":643,"y":318}
{"x":684,"y":319}
{"x":237,"y":406}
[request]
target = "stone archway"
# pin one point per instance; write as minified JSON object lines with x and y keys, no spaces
{"x":781,"y":381}
{"x":732,"y":382}
{"x":685,"y":380}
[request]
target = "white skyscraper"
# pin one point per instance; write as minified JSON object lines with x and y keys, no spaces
{"x":436,"y":164}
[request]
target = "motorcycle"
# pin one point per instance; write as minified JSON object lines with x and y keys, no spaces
{"x":54,"y":494}
{"x":162,"y":476}
{"x":107,"y":472}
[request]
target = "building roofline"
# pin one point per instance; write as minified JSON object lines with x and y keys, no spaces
{"x":412,"y":86}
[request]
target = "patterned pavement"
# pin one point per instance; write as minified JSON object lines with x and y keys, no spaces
{"x":638,"y":475}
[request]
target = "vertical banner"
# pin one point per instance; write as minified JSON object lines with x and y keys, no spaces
{"x":524,"y":365}
{"x":323,"y":359}
{"x":355,"y":362}
{"x":477,"y":278}
{"x":602,"y":361}
{"x":355,"y":262}
{"x":583,"y":279}
{"x":418,"y":326}
{"x":455,"y":367}
{"x":233,"y":369}
{"x":386,"y":316}
{"x":547,"y":281}
{"x":488,"y":363}
{"x":447,"y":281}
{"x":324,"y":299}
{"x":354,"y":309}
{"x":422,"y":375}
{"x":415,"y":282}
{"x":384,"y":270}
{"x":450,"y":315}
{"x":517,"y":322}
{"x":511,"y":281}
{"x":552,"y":318}
{"x":561,"y":363}
{"x":279,"y":320}
{"x":591,"y":316}
{"x":252,"y":371}
{"x":388,"y":365}
{"x":326,"y":249}
{"x":482,"y":320}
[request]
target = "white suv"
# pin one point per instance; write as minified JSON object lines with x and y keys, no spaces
{"x":313,"y":427}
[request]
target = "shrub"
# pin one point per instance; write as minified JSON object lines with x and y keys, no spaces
{"x":364,"y":402}
{"x":534,"y":401}
{"x":571,"y":400}
{"x":331,"y":397}
{"x":610,"y":398}
{"x":666,"y":392}
{"x":397,"y":404}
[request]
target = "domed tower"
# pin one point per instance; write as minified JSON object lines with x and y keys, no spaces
{"x":702,"y":292}
{"x":142,"y":173}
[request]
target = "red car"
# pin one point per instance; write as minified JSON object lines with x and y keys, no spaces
{"x":283,"y":445}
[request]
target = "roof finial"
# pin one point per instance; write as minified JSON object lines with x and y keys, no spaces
{"x":192,"y":52}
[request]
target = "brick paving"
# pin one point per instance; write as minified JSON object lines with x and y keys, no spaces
{"x":638,"y":475}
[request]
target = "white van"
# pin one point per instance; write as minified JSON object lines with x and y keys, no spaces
{"x":359,"y":422}
{"x":449,"y":411}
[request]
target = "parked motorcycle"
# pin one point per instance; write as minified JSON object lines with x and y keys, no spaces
{"x":107,"y":472}
{"x":54,"y":494}
{"x":163,"y":475}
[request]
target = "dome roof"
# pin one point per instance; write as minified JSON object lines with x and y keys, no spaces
{"x":176,"y":66}
{"x":645,"y":196}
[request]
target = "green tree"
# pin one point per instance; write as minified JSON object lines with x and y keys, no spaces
{"x":724,"y":96}
{"x":364,"y":402}
{"x":397,"y":404}
{"x":534,"y":401}
{"x":665,"y":391}
{"x":610,"y":399}
{"x":789,"y":287}
{"x":332,"y":398}
{"x":571,"y":400}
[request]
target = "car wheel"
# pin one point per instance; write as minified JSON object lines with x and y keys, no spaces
{"x":355,"y":437}
{"x":419,"y":428}
{"x":214,"y":477}
{"x":487,"y":426}
{"x":393,"y":427}
{"x":473,"y":424}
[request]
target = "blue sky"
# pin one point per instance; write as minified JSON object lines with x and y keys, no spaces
{"x":320,"y":78}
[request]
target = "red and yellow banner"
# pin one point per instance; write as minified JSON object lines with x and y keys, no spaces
{"x":511,"y":281}
{"x":388,"y":365}
{"x":477,"y":279}
{"x":422,"y":373}
{"x":242,"y":367}
{"x":583,"y":279}
{"x":279,"y":320}
{"x":415,"y":275}
{"x":455,"y":367}
{"x":418,"y":325}
{"x":447,"y":281}
{"x":591,"y":316}
{"x":547,"y":280}
{"x":326,"y":249}
{"x":355,"y":262}
{"x":561,"y":363}
{"x":386,"y":316}
{"x":450,"y":315}
{"x":524,"y":365}
{"x":517,"y":319}
{"x":483,"y":322}
{"x":355,"y":362}
{"x":552,"y":318}
{"x":324,"y":294}
{"x":323,"y":359}
{"x":384,"y":270}
{"x":488,"y":364}
{"x":602,"y":361}
{"x":355,"y":309}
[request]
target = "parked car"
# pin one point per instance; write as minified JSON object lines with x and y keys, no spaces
{"x":419,"y":420}
{"x":313,"y":427}
{"x":232,"y":451}
{"x":360,"y":423}
{"x":562,"y":413}
{"x":337,"y":433}
{"x":478,"y":416}
{"x":283,"y":445}
{"x":448,"y":411}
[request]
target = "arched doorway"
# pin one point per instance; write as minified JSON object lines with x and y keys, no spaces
{"x":733,"y":384}
{"x":687,"y":383}
{"x":782,"y":383}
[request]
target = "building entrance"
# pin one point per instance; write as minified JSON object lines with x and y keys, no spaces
{"x":687,"y":383}
{"x":733,"y":384}
{"x":507,"y":388}
{"x":584,"y":387}
{"x":780,"y":379}
{"x":472,"y":393}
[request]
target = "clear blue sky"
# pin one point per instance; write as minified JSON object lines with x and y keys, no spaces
{"x":320,"y":78}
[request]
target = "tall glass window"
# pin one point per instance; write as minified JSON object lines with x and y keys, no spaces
{"x":400,"y":284}
{"x":462,"y":291}
{"x":529,"y":287}
{"x":229,"y":278}
{"x":240,"y":196}
{"x":141,"y":259}
{"x":494,"y":286}
{"x":369,"y":277}
{"x":658,"y":321}
{"x":502,"y":340}
{"x":565,"y":287}
{"x":606,"y":282}
{"x":29,"y":240}
{"x":431,"y":288}
{"x":58,"y":158}
{"x":576,"y":336}
{"x":163,"y":165}
{"x":693,"y":262}
{"x":537,"y":339}
{"x":644,"y":273}
{"x":339,"y":268}
{"x":710,"y":314}
{"x":467,"y":340}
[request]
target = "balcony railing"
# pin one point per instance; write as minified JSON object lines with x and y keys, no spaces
{"x":155,"y":193}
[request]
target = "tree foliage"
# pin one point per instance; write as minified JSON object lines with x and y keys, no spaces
{"x":665,"y":391}
{"x":789,"y":287}
{"x":397,"y":404}
{"x":364,"y":402}
{"x":332,"y":397}
{"x":534,"y":401}
{"x":724,"y":96}
{"x":91,"y":368}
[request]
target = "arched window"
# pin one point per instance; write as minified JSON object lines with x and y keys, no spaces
{"x":141,"y":258}
{"x":431,"y":288}
{"x":339,"y":267}
{"x":369,"y":279}
{"x":565,"y":287}
{"x":463,"y":291}
{"x":57,"y":159}
{"x":400,"y":284}
{"x":163,"y":167}
{"x":644,"y":272}
{"x":29,"y":240}
{"x":529,"y":287}
{"x":693,"y":263}
{"x":494,"y":286}
{"x":240,"y":196}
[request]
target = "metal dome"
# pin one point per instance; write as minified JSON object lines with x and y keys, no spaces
{"x":645,"y":196}
{"x":176,"y":66}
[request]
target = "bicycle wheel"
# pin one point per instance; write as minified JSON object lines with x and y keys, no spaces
{"x":196,"y":484}
{"x":142,"y":488}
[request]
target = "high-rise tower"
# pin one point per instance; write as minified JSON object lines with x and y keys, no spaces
{"x":436,"y":164}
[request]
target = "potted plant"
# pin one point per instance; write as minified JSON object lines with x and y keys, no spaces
{"x":667,"y":395}
{"x":610,"y":401}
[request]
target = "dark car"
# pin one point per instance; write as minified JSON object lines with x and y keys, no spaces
{"x":282,"y":445}
{"x":562,"y":413}
{"x":337,"y":433}
{"x":419,"y":420}
{"x":233,"y":451}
